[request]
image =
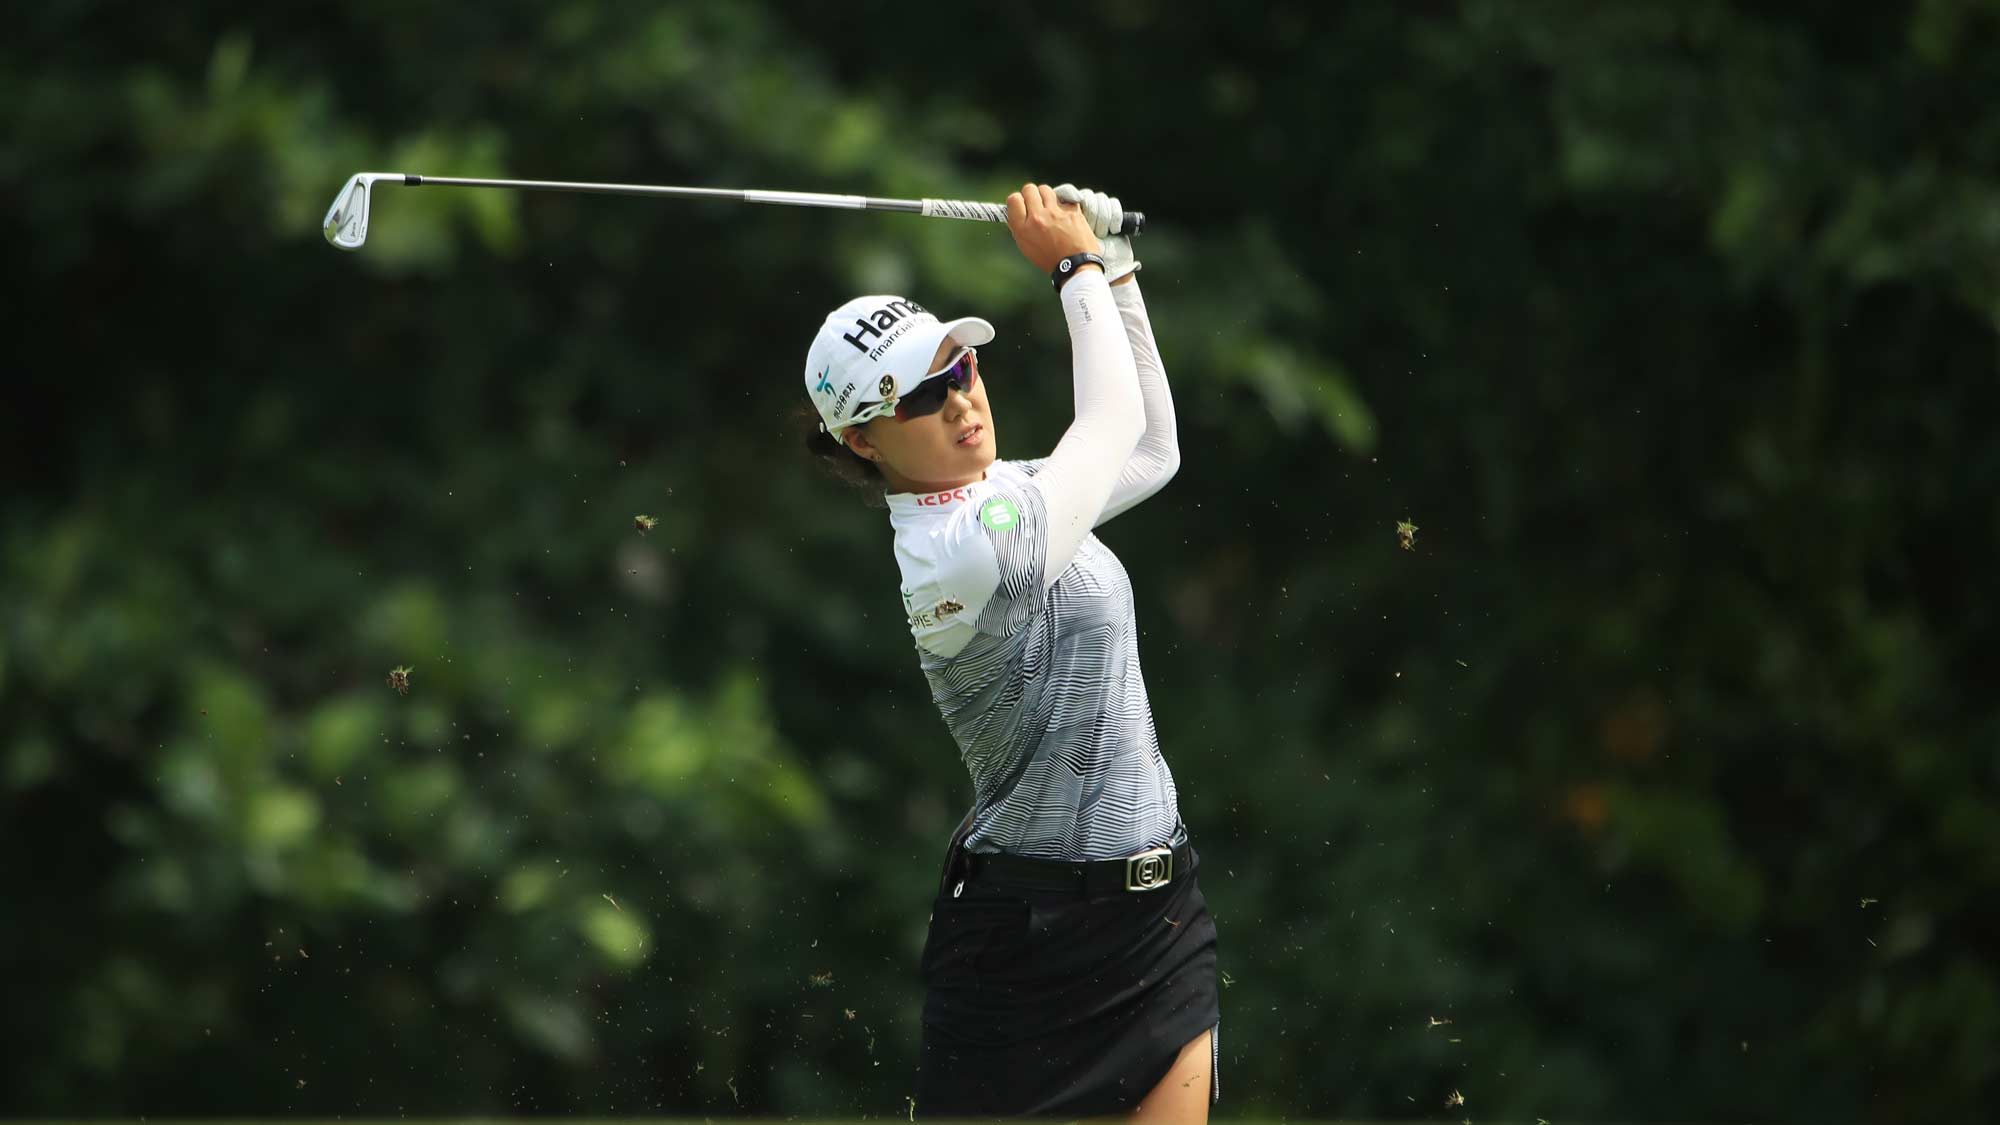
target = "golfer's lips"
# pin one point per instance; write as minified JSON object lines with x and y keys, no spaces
{"x":973,"y":435}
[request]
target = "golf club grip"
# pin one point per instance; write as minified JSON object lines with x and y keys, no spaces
{"x":1135,"y":221}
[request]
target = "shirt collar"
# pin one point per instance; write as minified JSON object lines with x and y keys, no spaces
{"x":919,"y":502}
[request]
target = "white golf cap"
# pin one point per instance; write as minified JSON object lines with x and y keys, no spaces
{"x":872,"y":351}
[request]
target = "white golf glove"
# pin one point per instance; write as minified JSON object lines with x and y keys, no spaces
{"x":1105,"y":216}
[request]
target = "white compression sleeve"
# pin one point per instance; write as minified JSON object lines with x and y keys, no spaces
{"x":1158,"y":455}
{"x":1078,"y":477}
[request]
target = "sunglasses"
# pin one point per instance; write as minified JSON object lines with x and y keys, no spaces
{"x":928,"y":397}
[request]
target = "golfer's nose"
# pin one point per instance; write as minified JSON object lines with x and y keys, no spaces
{"x":956,"y":403}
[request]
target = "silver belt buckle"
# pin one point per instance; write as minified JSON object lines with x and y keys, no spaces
{"x":1149,"y":870}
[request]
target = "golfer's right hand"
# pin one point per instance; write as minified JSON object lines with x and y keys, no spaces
{"x":1046,"y":229}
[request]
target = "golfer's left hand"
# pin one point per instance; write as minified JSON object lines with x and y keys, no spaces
{"x":1106,"y":216}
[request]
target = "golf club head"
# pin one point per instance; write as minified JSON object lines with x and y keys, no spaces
{"x":346,"y":224}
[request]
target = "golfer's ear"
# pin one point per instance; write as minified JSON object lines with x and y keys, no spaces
{"x":859,"y":443}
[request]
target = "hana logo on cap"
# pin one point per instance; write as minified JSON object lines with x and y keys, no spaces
{"x":882,"y":344}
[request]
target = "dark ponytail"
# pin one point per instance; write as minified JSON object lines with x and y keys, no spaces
{"x":841,"y":462}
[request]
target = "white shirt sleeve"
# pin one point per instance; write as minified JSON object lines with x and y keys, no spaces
{"x":1158,"y":455}
{"x":1076,"y":480}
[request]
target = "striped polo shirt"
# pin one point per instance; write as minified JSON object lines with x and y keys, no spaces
{"x":1039,"y":684}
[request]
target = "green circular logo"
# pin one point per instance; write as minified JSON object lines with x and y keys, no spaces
{"x":999,"y":514}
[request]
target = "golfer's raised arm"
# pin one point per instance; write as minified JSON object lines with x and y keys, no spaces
{"x":1077,"y":479}
{"x":1157,"y":456}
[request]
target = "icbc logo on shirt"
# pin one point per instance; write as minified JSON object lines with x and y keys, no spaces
{"x":939,"y":499}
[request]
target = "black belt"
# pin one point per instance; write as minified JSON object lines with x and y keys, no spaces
{"x":1149,"y":870}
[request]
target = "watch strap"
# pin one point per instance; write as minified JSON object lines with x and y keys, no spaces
{"x":1067,"y":268}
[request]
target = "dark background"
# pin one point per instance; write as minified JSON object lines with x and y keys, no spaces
{"x":1666,"y":767}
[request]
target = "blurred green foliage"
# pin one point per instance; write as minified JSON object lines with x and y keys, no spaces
{"x":1665,"y":768}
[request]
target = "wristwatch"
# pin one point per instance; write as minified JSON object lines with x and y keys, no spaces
{"x":1066,"y":268}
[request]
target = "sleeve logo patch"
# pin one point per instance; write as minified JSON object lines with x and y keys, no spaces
{"x":932,"y":618}
{"x":999,"y":514}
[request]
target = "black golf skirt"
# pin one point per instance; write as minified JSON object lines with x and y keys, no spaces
{"x":1052,"y":1004}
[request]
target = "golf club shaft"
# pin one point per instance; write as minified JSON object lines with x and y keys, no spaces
{"x":931,"y":208}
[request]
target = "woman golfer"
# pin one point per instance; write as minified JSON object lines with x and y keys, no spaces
{"x":1070,"y":965}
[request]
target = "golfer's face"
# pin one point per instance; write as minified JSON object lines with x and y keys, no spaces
{"x":952,"y":446}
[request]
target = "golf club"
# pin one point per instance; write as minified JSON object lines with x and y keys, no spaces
{"x":346,"y":224}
